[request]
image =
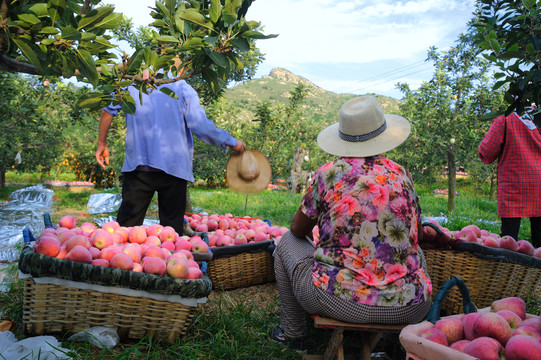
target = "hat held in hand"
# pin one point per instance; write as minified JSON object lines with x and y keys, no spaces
{"x":249,"y":172}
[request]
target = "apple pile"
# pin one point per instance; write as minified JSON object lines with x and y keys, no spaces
{"x":502,"y":331}
{"x":227,"y":230}
{"x":153,"y":249}
{"x":472,"y":233}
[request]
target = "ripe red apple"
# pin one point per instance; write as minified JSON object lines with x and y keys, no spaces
{"x":95,"y":252}
{"x":133,"y":251}
{"x":67,"y":221}
{"x":177,"y":266}
{"x":467,"y":322}
{"x":490,"y":241}
{"x":467,"y":235}
{"x":79,"y":253}
{"x":47,"y":245}
{"x":515,"y":304}
{"x":436,"y":335}
{"x":194,"y":273}
{"x":137,"y":235}
{"x":154,"y":265}
{"x":77,"y":240}
{"x":154,"y":230}
{"x":534,"y":322}
{"x":122,"y":230}
{"x":62,"y":252}
{"x":527,"y":330}
{"x":485,"y":348}
{"x":202,"y":228}
{"x":537,"y":253}
{"x":475,"y":229}
{"x":102,"y":239}
{"x":153,"y":251}
{"x":200,"y":247}
{"x":168,"y":233}
{"x":223,"y":224}
{"x":169,"y":245}
{"x":152,"y":240}
{"x":87,"y":227}
{"x":110,"y":226}
{"x":525,"y":247}
{"x":459,"y":345}
{"x":507,"y":242}
{"x":100,"y":262}
{"x":452,"y":328}
{"x":513,"y":319}
{"x":523,"y":347}
{"x":109,"y":252}
{"x":212,"y":224}
{"x":121,"y":261}
{"x":491,"y":324}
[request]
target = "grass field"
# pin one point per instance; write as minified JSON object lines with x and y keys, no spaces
{"x":234,"y":324}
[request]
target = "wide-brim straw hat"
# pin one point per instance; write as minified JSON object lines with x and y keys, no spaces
{"x":249,"y":172}
{"x":363,"y":130}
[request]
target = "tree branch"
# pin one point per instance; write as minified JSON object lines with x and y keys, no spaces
{"x":85,"y":7}
{"x":10,"y":65}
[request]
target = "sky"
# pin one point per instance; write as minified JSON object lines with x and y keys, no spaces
{"x":348,"y":46}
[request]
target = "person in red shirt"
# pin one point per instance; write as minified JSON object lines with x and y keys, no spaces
{"x":516,"y":142}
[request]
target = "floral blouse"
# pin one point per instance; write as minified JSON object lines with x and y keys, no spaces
{"x":368,"y":216}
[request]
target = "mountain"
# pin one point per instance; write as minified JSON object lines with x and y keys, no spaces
{"x":275,"y":87}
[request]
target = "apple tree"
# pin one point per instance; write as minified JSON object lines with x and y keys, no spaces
{"x":508,"y":33}
{"x":68,"y":38}
{"x":445,"y":112}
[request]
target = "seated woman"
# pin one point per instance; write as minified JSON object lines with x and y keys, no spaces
{"x":367,"y":266}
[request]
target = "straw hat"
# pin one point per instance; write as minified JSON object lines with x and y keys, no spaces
{"x":363,"y":130}
{"x":249,"y":172}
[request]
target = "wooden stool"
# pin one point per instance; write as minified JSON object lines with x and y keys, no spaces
{"x":369,"y":336}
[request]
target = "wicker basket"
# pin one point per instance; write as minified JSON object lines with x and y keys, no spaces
{"x":239,"y":266}
{"x":62,"y":296}
{"x":51,"y":308}
{"x":489,"y":273}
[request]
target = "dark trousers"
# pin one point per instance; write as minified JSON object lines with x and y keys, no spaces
{"x":138,"y":188}
{"x":511,"y":226}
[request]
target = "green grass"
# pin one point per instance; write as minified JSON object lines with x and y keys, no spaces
{"x":234,"y":324}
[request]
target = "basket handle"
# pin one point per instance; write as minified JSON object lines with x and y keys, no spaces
{"x":468,"y":306}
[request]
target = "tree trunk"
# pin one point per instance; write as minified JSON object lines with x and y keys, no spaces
{"x":296,"y":182}
{"x":2,"y":178}
{"x":492,"y":194}
{"x":189,"y":208}
{"x":451,"y":180}
{"x":117,"y":180}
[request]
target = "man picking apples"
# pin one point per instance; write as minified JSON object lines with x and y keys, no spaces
{"x":159,"y":151}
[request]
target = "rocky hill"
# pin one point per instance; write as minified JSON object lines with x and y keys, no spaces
{"x":275,"y":87}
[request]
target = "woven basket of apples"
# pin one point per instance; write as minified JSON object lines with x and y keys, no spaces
{"x":241,"y":246}
{"x":139,"y":280}
{"x":502,"y":331}
{"x":492,"y":267}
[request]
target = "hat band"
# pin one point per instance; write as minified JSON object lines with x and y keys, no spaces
{"x":363,"y":137}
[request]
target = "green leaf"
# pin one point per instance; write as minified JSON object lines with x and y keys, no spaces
{"x":40,"y":10}
{"x":167,"y":39}
{"x":163,"y":9}
{"x":168,"y":91}
{"x":70,"y":33}
{"x":95,"y":16}
{"x":103,"y":41}
{"x":28,"y":51}
{"x":49,"y":30}
{"x":47,"y":41}
{"x":128,"y":106}
{"x":29,"y":18}
{"x":215,"y":10}
{"x":252,"y":34}
{"x":241,"y":44}
{"x":106,"y":70}
{"x":88,"y":36}
{"x":88,"y":67}
{"x":135,"y":61}
{"x":194,"y":16}
{"x":530,"y":48}
{"x":90,"y":100}
{"x":191,"y":44}
{"x":218,"y":58}
{"x":53,"y":14}
{"x":110,"y":22}
{"x":68,"y":67}
{"x":229,"y":18}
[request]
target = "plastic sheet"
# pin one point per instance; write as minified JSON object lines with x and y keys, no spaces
{"x":33,"y":348}
{"x":103,"y":203}
{"x":99,"y":336}
{"x":26,"y":210}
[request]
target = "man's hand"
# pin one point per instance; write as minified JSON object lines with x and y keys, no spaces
{"x":239,"y":148}
{"x":102,"y":155}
